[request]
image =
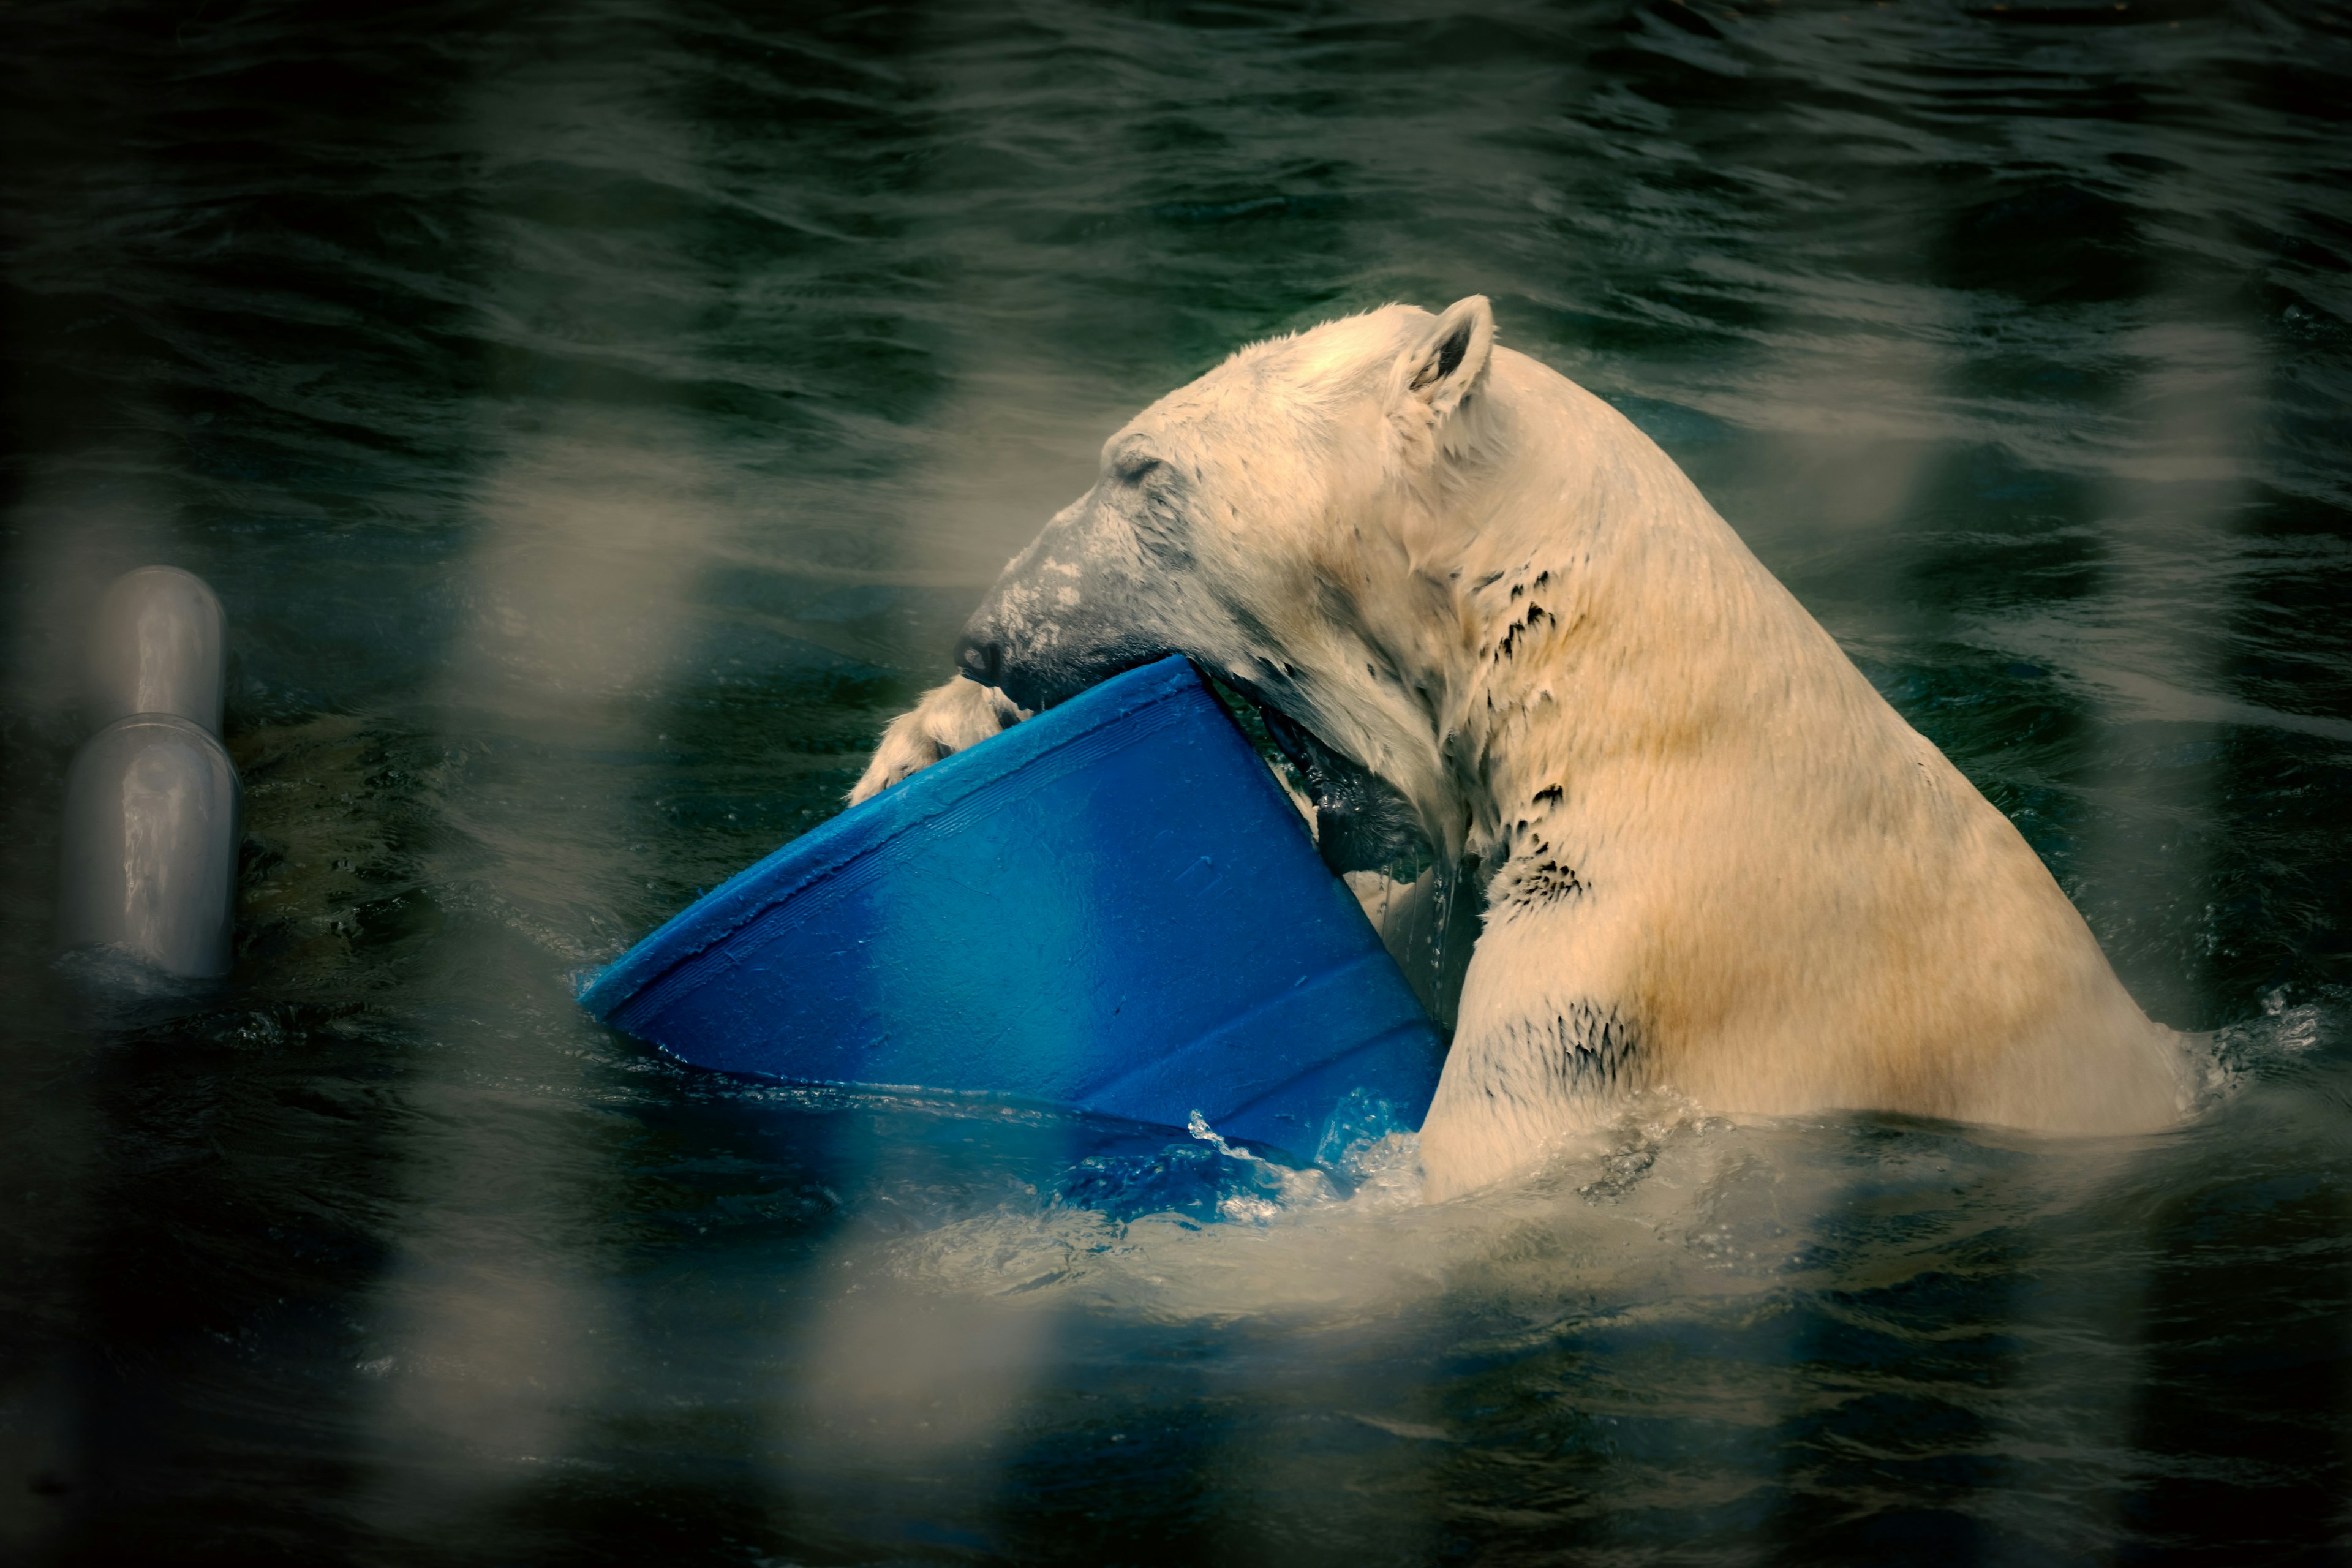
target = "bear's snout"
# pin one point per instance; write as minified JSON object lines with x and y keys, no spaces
{"x":1042,"y":642}
{"x":990,"y":654}
{"x":982,"y":658}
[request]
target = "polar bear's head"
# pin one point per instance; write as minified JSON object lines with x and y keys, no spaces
{"x":1287,"y":521}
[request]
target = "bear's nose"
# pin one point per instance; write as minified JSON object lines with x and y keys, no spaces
{"x":982,"y":661}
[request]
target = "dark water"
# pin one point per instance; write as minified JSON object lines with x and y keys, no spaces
{"x":597,"y":420}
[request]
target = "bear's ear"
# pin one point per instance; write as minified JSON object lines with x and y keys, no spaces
{"x":1440,"y":369}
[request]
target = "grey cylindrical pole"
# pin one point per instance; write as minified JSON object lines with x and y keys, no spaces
{"x":151,"y":844}
{"x":159,"y":645}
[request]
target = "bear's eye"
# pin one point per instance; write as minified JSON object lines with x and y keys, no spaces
{"x":1133,"y":467}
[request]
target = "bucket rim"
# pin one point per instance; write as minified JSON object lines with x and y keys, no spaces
{"x":824,"y":850}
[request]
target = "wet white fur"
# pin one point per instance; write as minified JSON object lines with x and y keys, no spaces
{"x":1727,"y":866}
{"x":949,"y":718}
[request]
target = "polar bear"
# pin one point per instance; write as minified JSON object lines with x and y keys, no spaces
{"x":1483,"y":608}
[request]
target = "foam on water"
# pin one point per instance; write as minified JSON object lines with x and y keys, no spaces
{"x":1666,"y":1202}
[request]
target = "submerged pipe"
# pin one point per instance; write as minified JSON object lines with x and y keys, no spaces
{"x":158,"y":645}
{"x":151,"y":837}
{"x":151,"y":832}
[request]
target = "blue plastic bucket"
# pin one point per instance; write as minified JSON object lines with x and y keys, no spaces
{"x":1111,"y":907}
